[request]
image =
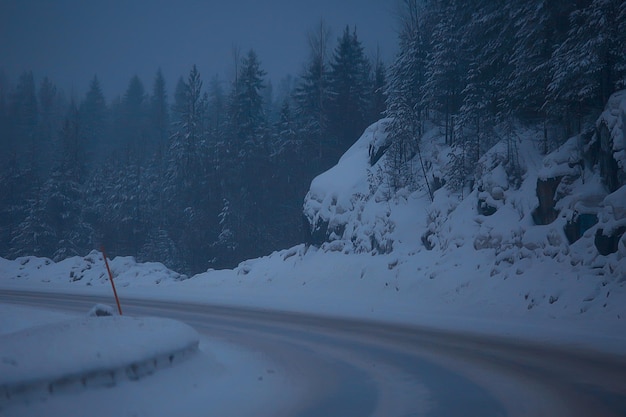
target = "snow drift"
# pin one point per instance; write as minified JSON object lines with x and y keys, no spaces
{"x":88,"y":352}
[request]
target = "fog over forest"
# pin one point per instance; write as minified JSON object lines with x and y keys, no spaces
{"x":208,"y":171}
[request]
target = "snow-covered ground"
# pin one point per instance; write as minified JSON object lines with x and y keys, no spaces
{"x":402,"y":258}
{"x":498,"y":272}
{"x":62,"y":364}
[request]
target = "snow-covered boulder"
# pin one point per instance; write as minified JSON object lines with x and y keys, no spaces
{"x":339,"y":207}
{"x":564,"y":161}
{"x":612,"y":223}
{"x":101,"y":310}
{"x":492,"y":179}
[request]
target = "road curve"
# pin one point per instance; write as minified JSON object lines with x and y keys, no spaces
{"x":359,"y":368}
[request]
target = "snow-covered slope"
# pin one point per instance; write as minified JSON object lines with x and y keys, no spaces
{"x":73,"y":365}
{"x":538,"y":241}
{"x":47,"y":355}
{"x":78,"y":350}
{"x":567,"y":208}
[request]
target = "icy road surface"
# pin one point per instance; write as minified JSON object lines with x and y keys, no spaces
{"x":357,"y":368}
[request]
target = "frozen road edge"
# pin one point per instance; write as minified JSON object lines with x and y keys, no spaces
{"x":88,"y":352}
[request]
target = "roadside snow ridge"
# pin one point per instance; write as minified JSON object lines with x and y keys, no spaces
{"x":90,"y":351}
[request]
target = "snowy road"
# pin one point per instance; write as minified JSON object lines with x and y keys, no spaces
{"x":357,"y":368}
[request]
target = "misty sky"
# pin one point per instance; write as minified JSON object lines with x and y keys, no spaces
{"x":71,"y":40}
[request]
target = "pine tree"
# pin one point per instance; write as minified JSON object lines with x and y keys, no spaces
{"x":379,"y":85}
{"x":247,"y":117}
{"x":404,"y":99}
{"x":285,"y":130}
{"x":23,"y":118}
{"x":63,"y":194}
{"x":180,"y":102}
{"x":311,"y":101}
{"x":186,"y":141}
{"x":445,"y":65}
{"x":485,"y":96}
{"x":4,"y":117}
{"x":134,"y":119}
{"x":216,"y":109}
{"x":159,"y":112}
{"x":350,"y":86}
{"x":33,"y":236}
{"x":24,"y":105}
{"x":22,"y":170}
{"x":225,"y":245}
{"x":160,"y":125}
{"x":20,"y":210}
{"x":93,"y":121}
{"x":121,"y":198}
{"x":49,"y":123}
{"x":247,"y":155}
{"x":291,"y":175}
{"x":539,"y":25}
{"x":159,"y":247}
{"x":190,"y":182}
{"x":588,"y":66}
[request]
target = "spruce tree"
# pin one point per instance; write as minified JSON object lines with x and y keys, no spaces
{"x":378,"y":95}
{"x":63,"y":194}
{"x":216,"y":109}
{"x":134,"y":119}
{"x":405,"y":106}
{"x":188,"y":129}
{"x":243,"y":187}
{"x":311,"y":101}
{"x":350,"y":87}
{"x":247,"y":116}
{"x":93,"y":122}
{"x":159,"y":112}
{"x":23,"y":118}
{"x":49,"y":123}
{"x":445,"y":66}
{"x":589,"y":64}
{"x":191,"y":202}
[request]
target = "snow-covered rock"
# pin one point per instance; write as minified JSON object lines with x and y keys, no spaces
{"x":340,"y":207}
{"x":610,"y":141}
{"x":101,"y":310}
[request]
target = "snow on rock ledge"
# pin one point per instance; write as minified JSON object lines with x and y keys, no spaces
{"x":339,"y":207}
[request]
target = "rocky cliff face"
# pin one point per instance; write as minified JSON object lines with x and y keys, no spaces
{"x":569,"y":205}
{"x":342,"y":208}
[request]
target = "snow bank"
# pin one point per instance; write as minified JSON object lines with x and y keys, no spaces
{"x":88,"y":271}
{"x":89,"y":351}
{"x":208,"y":382}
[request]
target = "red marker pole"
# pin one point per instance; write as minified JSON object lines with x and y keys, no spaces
{"x":117,"y":300}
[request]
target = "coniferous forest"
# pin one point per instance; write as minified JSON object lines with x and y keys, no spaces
{"x":208,"y":172}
